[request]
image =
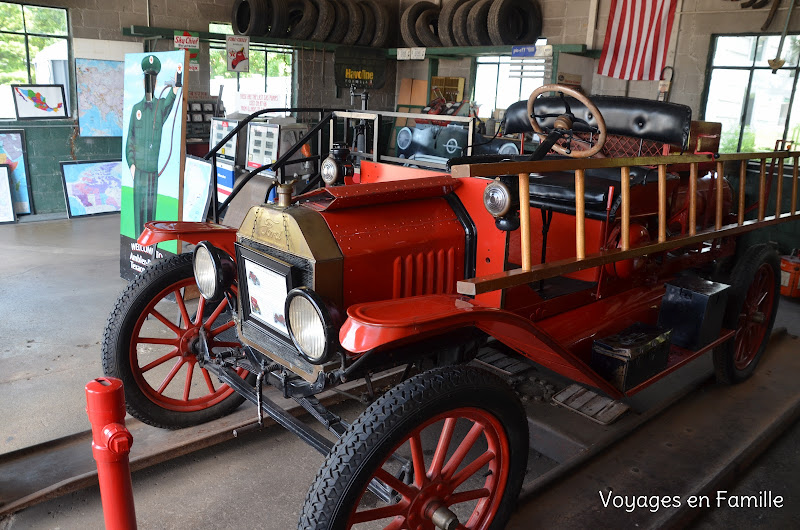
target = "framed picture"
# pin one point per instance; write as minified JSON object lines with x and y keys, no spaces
{"x":196,"y":188}
{"x":92,"y":187}
{"x":7,"y":214}
{"x":13,"y":153}
{"x":39,"y":102}
{"x":99,"y":88}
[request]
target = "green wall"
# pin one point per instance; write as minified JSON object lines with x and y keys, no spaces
{"x":49,"y":142}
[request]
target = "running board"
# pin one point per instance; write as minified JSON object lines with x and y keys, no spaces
{"x":598,"y":408}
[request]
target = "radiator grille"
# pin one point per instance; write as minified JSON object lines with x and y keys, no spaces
{"x":253,"y":331}
{"x":431,"y":272}
{"x":304,"y":266}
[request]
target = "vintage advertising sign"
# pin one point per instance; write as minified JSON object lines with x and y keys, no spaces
{"x":190,"y":41}
{"x":359,"y":67}
{"x":153,"y":148}
{"x":531,"y":50}
{"x":238,"y":48}
{"x":255,"y":101}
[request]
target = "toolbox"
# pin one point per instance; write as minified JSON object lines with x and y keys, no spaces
{"x":693,"y":308}
{"x":631,"y":356}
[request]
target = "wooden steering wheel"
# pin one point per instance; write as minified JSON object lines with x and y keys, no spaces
{"x":563,"y":123}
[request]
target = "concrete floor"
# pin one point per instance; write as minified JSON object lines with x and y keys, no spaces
{"x":58,"y":282}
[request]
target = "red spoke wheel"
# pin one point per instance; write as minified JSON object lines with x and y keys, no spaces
{"x":450,"y":444}
{"x":152,"y":343}
{"x":752,"y":305}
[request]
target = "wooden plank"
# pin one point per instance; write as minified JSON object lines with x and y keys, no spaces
{"x":625,"y":184}
{"x":720,"y":188}
{"x":525,"y":220}
{"x":662,"y":203}
{"x":762,"y":189}
{"x":794,"y":185}
{"x":580,"y":214}
{"x":779,"y":187}
{"x":693,"y":198}
{"x":742,"y":179}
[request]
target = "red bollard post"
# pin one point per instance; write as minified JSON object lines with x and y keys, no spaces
{"x":111,"y":443}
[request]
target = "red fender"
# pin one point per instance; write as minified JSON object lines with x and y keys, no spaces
{"x":220,"y":236}
{"x":401,"y":321}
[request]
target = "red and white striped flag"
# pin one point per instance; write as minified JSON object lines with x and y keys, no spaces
{"x":637,"y":39}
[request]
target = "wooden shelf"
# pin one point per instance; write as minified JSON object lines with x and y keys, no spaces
{"x":272,"y":42}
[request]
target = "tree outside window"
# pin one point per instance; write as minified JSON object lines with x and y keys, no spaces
{"x":34,"y":48}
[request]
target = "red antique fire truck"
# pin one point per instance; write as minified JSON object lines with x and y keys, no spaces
{"x":609,"y":256}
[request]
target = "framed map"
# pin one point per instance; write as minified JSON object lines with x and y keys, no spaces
{"x":12,"y":152}
{"x":92,"y":187}
{"x":196,"y":189}
{"x":39,"y":102}
{"x":7,"y":214}
{"x":100,"y":96}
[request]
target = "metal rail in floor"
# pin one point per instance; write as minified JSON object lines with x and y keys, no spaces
{"x":51,"y":469}
{"x":573,"y":452}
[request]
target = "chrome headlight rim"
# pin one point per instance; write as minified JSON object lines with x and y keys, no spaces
{"x":326,"y":316}
{"x":497,"y":186}
{"x":223,"y":266}
{"x":330,"y":170}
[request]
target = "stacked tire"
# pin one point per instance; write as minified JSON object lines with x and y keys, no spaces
{"x":350,"y":22}
{"x":471,"y":23}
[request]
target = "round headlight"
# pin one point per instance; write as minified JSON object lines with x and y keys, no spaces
{"x":214,"y":270}
{"x":497,"y":198}
{"x":310,"y":326}
{"x":330,"y":171}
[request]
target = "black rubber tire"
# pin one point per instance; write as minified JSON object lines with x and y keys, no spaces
{"x":409,"y":18}
{"x":383,"y":24}
{"x":477,"y":31}
{"x":355,"y":21}
{"x":741,"y":277}
{"x":446,"y":21}
{"x":375,"y":434}
{"x":341,"y":22}
{"x":118,"y":335}
{"x":368,"y":29}
{"x":249,"y":17}
{"x":302,"y":19}
{"x":424,"y":27}
{"x":326,"y":14}
{"x":460,"y":23}
{"x":513,"y":22}
{"x":277,"y":18}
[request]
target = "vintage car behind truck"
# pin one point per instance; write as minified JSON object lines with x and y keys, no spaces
{"x":405,"y":267}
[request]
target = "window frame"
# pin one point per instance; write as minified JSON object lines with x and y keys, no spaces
{"x":68,"y":90}
{"x":498,"y":61}
{"x":751,"y":69}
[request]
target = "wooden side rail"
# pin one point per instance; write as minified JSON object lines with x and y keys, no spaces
{"x":528,"y":273}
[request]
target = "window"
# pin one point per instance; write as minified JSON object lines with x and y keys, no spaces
{"x":503,"y":80}
{"x":755,"y":106}
{"x":34,"y":48}
{"x":270,"y":73}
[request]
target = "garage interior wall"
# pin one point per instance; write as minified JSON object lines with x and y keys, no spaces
{"x":564,"y":23}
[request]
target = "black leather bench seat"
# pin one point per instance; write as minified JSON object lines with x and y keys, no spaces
{"x":556,"y":190}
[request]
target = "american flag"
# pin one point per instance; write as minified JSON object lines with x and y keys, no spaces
{"x":637,"y":39}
